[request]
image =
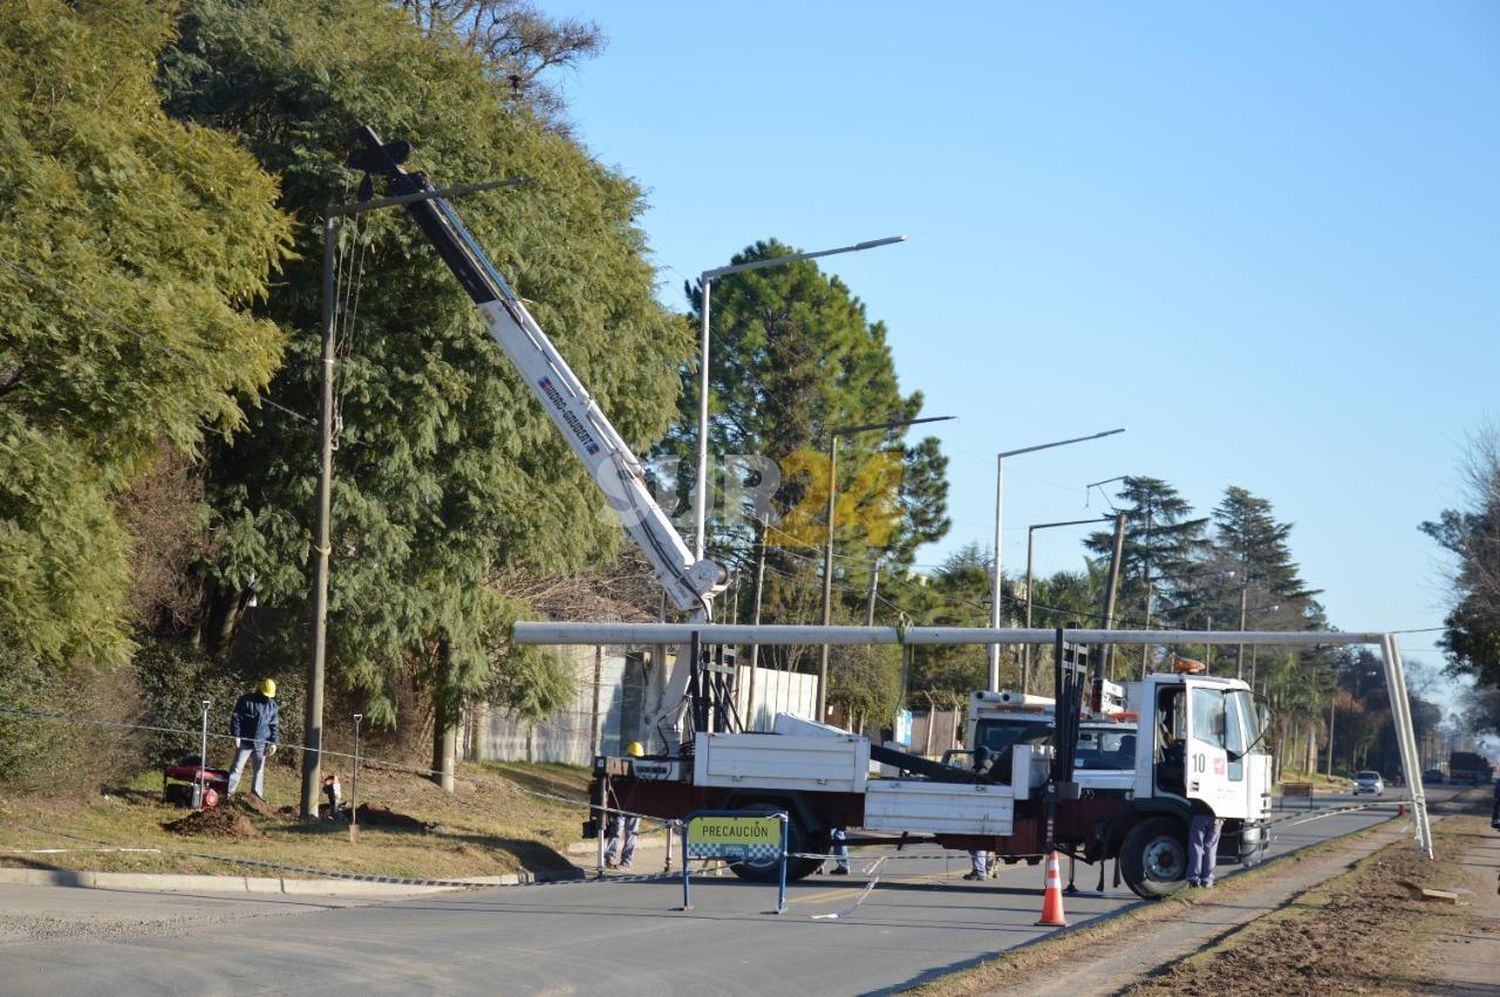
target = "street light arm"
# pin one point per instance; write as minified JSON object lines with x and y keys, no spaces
{"x":1061,"y":443}
{"x":795,"y":257}
{"x":851,"y":430}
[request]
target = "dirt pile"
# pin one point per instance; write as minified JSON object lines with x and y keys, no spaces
{"x":1353,"y":935}
{"x":220,"y":822}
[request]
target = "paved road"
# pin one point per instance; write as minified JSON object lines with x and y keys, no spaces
{"x":588,"y":938}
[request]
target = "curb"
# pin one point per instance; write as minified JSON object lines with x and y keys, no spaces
{"x":178,"y":882}
{"x":652,"y":841}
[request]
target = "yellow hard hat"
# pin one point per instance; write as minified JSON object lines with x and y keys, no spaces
{"x":636,"y":750}
{"x":268,"y":687}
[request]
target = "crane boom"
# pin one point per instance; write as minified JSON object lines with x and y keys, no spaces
{"x":689,"y":582}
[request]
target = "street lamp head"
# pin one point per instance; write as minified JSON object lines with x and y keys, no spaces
{"x":873,"y":243}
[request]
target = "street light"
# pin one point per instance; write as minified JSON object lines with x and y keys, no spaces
{"x":1030,"y":536}
{"x":994,"y":683}
{"x":833,"y":484}
{"x":706,"y":279}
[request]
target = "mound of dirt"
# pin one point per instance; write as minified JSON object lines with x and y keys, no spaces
{"x":258,"y":806}
{"x":220,"y":822}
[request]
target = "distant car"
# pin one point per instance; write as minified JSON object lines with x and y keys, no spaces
{"x":1433,"y":777}
{"x":1369,"y":782}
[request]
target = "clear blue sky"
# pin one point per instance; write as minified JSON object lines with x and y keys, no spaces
{"x":1262,"y":235}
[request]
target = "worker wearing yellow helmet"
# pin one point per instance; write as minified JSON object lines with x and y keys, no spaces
{"x":623,"y":827}
{"x":255,"y":726}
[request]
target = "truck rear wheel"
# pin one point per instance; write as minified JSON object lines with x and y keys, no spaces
{"x":1153,"y":858}
{"x":769,"y":870}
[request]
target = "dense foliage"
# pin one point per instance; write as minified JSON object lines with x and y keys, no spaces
{"x":448,"y":473}
{"x":130,"y":246}
{"x":1472,"y":536}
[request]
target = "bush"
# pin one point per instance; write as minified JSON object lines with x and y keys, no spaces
{"x":84,"y":738}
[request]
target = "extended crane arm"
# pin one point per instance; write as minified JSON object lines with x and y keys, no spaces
{"x":690,"y":583}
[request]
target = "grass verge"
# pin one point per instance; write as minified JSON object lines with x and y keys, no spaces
{"x":502,"y":818}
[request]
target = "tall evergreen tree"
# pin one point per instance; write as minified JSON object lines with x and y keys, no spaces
{"x":1162,"y":541}
{"x":794,"y":354}
{"x":1248,"y":565}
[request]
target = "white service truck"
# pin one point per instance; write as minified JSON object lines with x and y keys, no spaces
{"x":1197,"y":747}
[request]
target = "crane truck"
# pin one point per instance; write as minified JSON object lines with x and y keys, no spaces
{"x":1189,"y":743}
{"x":1196,"y":749}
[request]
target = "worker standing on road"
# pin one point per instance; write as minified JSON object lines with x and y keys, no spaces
{"x":979,"y":860}
{"x":623,"y":828}
{"x":840,"y":852}
{"x":255,"y":724}
{"x":1203,"y":848}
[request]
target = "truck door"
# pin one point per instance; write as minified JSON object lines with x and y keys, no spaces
{"x":1256,"y":763}
{"x":1209,"y":775}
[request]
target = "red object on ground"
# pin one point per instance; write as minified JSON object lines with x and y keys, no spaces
{"x":217,"y":779}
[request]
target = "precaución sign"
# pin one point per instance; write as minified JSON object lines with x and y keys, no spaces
{"x":734,"y":837}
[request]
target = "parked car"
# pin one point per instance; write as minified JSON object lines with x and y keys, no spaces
{"x":1369,"y":782}
{"x":1433,"y":777}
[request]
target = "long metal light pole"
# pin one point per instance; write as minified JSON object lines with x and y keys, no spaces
{"x":833,"y":484}
{"x":313,"y":717}
{"x":994,"y":649}
{"x":701,"y":485}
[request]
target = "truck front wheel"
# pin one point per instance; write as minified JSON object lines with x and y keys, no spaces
{"x":1153,"y":858}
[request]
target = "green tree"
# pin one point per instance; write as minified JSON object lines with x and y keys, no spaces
{"x":448,"y":474}
{"x":131,"y":246}
{"x":1472,"y":536}
{"x":1162,"y":542}
{"x":1249,"y":562}
{"x":956,"y":595}
{"x":794,"y":354}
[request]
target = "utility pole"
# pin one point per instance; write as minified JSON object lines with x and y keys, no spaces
{"x":313,"y":716}
{"x":1146,"y":561}
{"x":322,"y":546}
{"x":760,"y":584}
{"x":1111,"y":593}
{"x":1239,"y":670}
{"x":870,"y":601}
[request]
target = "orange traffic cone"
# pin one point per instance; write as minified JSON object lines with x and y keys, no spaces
{"x":1052,"y":906}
